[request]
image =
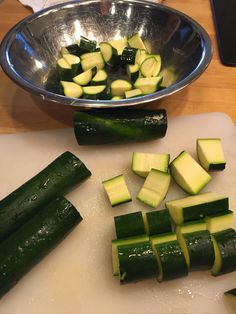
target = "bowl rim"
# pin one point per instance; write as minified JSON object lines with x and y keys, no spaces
{"x":86,"y":103}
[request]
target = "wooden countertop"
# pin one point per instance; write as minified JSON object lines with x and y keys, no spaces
{"x":214,"y":91}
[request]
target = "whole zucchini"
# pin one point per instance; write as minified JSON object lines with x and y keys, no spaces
{"x":56,"y":179}
{"x":114,"y":126}
{"x":34,"y":240}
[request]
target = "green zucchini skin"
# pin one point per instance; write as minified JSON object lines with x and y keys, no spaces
{"x":129,"y":225}
{"x":172,"y":261}
{"x":119,"y":126}
{"x":128,"y":55}
{"x":34,"y":240}
{"x":200,"y":249}
{"x":226,"y":241}
{"x":136,"y":261}
{"x":56,"y":179}
{"x":159,"y":221}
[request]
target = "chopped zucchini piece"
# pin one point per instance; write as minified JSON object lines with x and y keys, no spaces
{"x":95,"y":92}
{"x":154,"y":188}
{"x":158,"y":60}
{"x":120,"y":242}
{"x":220,"y":221}
{"x":132,"y":72}
{"x":136,"y":261}
{"x":119,"y":44}
{"x":71,"y":89}
{"x":84,"y":78}
{"x":133,"y":93}
{"x":86,"y":44}
{"x":109,"y":53}
{"x":128,"y":55}
{"x":129,"y":225}
{"x":119,"y":87}
{"x":196,"y":207}
{"x":64,"y":69}
{"x":225,"y":252}
{"x":196,"y":244}
{"x":71,"y":49}
{"x":100,"y":78}
{"x":150,"y":67}
{"x":170,"y":258}
{"x":158,"y":222}
{"x":89,"y":55}
{"x":117,"y":190}
{"x":94,"y":61}
{"x":210,"y":154}
{"x":136,"y":42}
{"x":140,"y":56}
{"x":148,"y":85}
{"x":188,"y":174}
{"x":117,"y":97}
{"x":142,"y":163}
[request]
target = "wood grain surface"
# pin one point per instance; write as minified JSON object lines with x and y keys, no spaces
{"x":214,"y":91}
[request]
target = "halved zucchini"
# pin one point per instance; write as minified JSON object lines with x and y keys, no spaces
{"x":94,"y":61}
{"x":119,"y":87}
{"x":64,"y":69}
{"x":109,"y":53}
{"x":150,"y":67}
{"x":84,"y":78}
{"x":100,"y":78}
{"x":71,"y":89}
{"x":95,"y":92}
{"x":148,"y":85}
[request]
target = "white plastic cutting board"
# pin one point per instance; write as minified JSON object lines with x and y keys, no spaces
{"x":76,"y":277}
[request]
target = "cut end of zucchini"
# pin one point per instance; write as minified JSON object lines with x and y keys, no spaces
{"x":148,"y":85}
{"x":218,"y":259}
{"x":210,"y":154}
{"x":117,"y":190}
{"x":133,"y":93}
{"x":119,"y":44}
{"x":188,"y":174}
{"x":119,"y":87}
{"x":71,"y":89}
{"x":219,"y":222}
{"x":142,"y":163}
{"x":136,"y":42}
{"x":154,"y":188}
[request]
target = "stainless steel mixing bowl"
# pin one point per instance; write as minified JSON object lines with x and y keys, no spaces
{"x":29,"y":51}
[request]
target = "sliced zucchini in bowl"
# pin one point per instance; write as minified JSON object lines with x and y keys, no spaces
{"x":71,"y":89}
{"x":148,"y":85}
{"x":119,"y":87}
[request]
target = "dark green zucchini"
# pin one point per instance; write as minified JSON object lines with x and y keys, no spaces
{"x":34,"y":240}
{"x":56,"y":179}
{"x":129,"y":225}
{"x":124,"y":241}
{"x":200,"y":249}
{"x":170,"y":258}
{"x":95,"y":127}
{"x":158,"y":221}
{"x":225,"y":252}
{"x":136,"y":261}
{"x":128,"y":55}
